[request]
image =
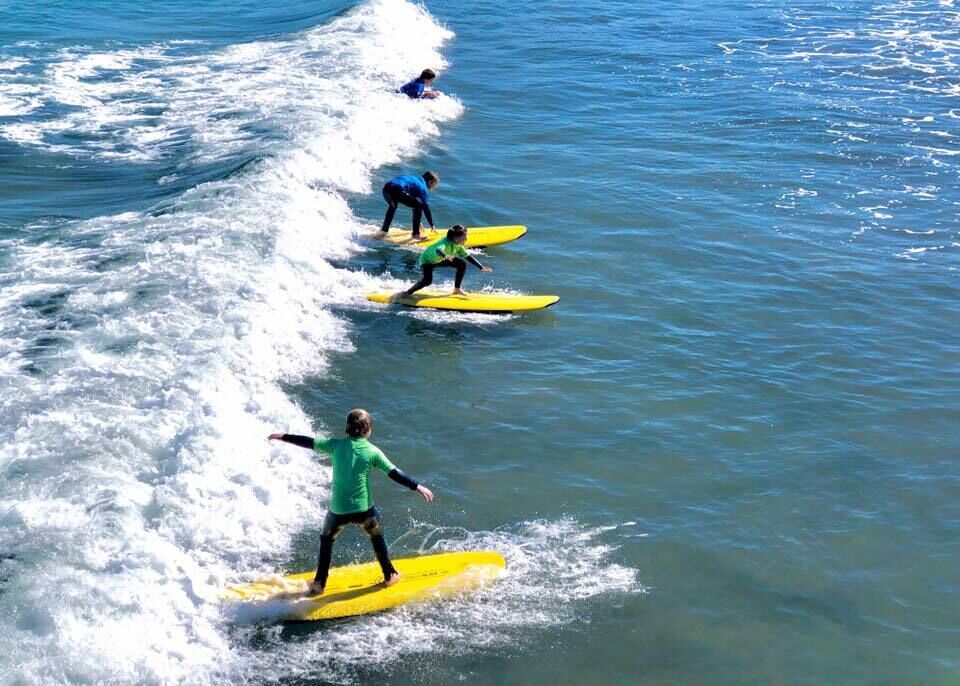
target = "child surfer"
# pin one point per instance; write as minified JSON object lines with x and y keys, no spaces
{"x":447,"y":252}
{"x":350,"y":502}
{"x":412,"y":191}
{"x":420,"y":88}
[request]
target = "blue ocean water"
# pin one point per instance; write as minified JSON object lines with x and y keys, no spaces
{"x":728,"y":455}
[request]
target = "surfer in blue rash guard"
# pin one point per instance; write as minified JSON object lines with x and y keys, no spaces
{"x":352,"y":459}
{"x":414,"y":192}
{"x":420,"y":86}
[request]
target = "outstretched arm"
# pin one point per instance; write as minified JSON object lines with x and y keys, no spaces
{"x":404,"y":479}
{"x":302,"y":441}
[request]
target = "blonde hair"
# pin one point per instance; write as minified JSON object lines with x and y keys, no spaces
{"x":359,"y":423}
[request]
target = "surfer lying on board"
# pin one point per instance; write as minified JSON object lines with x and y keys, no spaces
{"x":412,"y":191}
{"x":447,"y":252}
{"x":350,"y":501}
{"x":420,"y":86}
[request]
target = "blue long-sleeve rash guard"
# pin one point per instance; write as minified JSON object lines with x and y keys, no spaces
{"x":414,"y":89}
{"x":414,"y":186}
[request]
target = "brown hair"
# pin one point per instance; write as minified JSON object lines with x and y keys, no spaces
{"x":359,"y":423}
{"x":456,"y":231}
{"x":431,"y":177}
{"x":428,"y":74}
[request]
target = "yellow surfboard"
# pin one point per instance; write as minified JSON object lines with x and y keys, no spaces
{"x":477,"y":237}
{"x":356,"y":590}
{"x":471,"y":302}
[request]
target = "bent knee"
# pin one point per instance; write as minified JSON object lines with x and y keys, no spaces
{"x":372,"y":528}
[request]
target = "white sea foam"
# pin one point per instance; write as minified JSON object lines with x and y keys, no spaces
{"x":141,"y":359}
{"x":17,"y":98}
{"x":142,"y":356}
{"x":552,"y":568}
{"x":11,"y":65}
{"x":138,"y":103}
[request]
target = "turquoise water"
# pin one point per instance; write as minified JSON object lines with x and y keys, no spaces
{"x":726,"y":456}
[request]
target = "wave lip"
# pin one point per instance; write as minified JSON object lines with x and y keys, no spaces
{"x":142,"y":353}
{"x":145,"y":103}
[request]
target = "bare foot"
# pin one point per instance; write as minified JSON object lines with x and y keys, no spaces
{"x":314,"y":588}
{"x":394,"y":578}
{"x":457,"y":291}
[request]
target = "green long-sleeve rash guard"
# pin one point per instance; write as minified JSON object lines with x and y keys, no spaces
{"x":352,"y":459}
{"x":448,"y":248}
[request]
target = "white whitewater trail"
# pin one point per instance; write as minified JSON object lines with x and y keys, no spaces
{"x":142,"y":354}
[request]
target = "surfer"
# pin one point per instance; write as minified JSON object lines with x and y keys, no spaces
{"x":447,"y":252}
{"x":412,"y":191}
{"x":350,"y":501}
{"x":420,"y":86}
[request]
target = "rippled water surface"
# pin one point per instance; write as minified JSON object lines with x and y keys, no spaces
{"x":728,"y":455}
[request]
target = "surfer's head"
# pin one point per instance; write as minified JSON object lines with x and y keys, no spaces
{"x":432,"y":179}
{"x":457,"y":233}
{"x":427,"y":76}
{"x":359,"y":423}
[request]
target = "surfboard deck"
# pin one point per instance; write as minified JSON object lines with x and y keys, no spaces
{"x":355,"y":589}
{"x":477,"y":237}
{"x":472,"y":302}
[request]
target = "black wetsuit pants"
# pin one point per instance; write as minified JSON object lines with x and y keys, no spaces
{"x":395,"y":196}
{"x":333,"y":526}
{"x":457,"y":263}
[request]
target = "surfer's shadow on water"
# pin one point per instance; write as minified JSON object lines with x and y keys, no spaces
{"x":292,"y":631}
{"x":449,"y":327}
{"x":264,"y":630}
{"x":461,"y":326}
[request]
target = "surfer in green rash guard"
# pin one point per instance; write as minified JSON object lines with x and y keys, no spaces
{"x":447,"y":252}
{"x":350,"y":502}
